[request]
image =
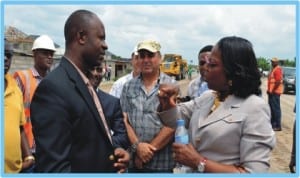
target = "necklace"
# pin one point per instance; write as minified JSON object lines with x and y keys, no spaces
{"x":217,"y":101}
{"x":216,"y":104}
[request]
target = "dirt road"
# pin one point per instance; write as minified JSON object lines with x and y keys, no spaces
{"x":281,"y":154}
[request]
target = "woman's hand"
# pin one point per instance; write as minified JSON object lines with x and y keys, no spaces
{"x":167,"y":95}
{"x":186,"y":155}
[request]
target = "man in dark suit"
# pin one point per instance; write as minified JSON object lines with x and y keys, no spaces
{"x":112,"y":107}
{"x":67,"y":123}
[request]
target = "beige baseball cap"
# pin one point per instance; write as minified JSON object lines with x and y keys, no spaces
{"x":150,"y":45}
{"x":274,"y":59}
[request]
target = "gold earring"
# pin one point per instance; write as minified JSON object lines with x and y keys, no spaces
{"x":230,"y":83}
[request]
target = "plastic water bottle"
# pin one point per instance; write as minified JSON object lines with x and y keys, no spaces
{"x":181,"y":136}
{"x":181,"y":133}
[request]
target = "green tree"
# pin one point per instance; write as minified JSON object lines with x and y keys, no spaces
{"x":289,"y":63}
{"x":263,"y":64}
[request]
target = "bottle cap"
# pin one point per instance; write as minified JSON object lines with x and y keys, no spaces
{"x":180,"y":122}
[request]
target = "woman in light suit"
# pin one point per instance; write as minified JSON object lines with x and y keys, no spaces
{"x":229,"y":126}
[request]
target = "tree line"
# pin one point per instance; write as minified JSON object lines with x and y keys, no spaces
{"x":265,"y":64}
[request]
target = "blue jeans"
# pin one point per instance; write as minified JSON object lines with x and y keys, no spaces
{"x":274,"y":102}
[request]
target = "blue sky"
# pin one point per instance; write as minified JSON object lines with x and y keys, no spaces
{"x":182,"y":29}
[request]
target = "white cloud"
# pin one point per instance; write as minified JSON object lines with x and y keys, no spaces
{"x":180,"y":29}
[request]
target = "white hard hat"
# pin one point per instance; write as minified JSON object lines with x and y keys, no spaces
{"x":43,"y":42}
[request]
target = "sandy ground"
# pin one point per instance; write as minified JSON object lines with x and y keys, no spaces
{"x":281,"y":153}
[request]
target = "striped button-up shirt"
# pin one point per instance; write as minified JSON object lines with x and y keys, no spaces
{"x":141,"y":108}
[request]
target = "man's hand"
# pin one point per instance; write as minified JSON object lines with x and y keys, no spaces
{"x":27,"y":163}
{"x":122,"y":160}
{"x":145,"y":151}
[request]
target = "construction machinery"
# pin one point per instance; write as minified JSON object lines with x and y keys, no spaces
{"x":174,"y":65}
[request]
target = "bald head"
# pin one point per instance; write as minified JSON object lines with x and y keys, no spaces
{"x":85,"y":39}
{"x":78,"y":21}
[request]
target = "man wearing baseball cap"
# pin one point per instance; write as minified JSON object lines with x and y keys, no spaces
{"x":150,"y":140}
{"x":275,"y":89}
{"x":149,"y":45}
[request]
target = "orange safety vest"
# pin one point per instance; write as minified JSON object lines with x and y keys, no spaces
{"x":29,"y":83}
{"x":271,"y":81}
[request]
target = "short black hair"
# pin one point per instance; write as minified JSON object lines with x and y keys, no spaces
{"x":240,"y":66}
{"x":206,"y":48}
{"x":77,"y":21}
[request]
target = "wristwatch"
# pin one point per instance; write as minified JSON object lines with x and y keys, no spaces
{"x":134,"y":147}
{"x":201,"y":165}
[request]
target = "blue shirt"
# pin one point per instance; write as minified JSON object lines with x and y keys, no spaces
{"x":197,"y":87}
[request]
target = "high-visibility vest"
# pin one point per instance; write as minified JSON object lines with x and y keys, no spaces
{"x":28,"y":84}
{"x":271,"y":82}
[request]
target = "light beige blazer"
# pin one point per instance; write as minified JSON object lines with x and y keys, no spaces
{"x":238,"y":132}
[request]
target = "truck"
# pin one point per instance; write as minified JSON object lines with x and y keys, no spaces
{"x":174,"y":65}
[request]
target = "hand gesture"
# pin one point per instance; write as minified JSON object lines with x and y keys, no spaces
{"x":167,"y":95}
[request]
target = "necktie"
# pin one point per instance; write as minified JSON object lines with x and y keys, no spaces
{"x":99,"y":108}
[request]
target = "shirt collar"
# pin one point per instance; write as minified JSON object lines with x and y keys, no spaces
{"x":35,"y":73}
{"x":84,"y":78}
{"x":158,"y":79}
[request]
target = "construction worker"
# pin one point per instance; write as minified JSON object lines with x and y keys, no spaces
{"x":43,"y":49}
{"x":17,"y":156}
{"x":275,"y":89}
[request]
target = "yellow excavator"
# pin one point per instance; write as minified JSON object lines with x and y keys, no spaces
{"x":174,"y":65}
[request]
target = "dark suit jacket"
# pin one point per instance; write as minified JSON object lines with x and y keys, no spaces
{"x":68,"y":131}
{"x":113,"y":113}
